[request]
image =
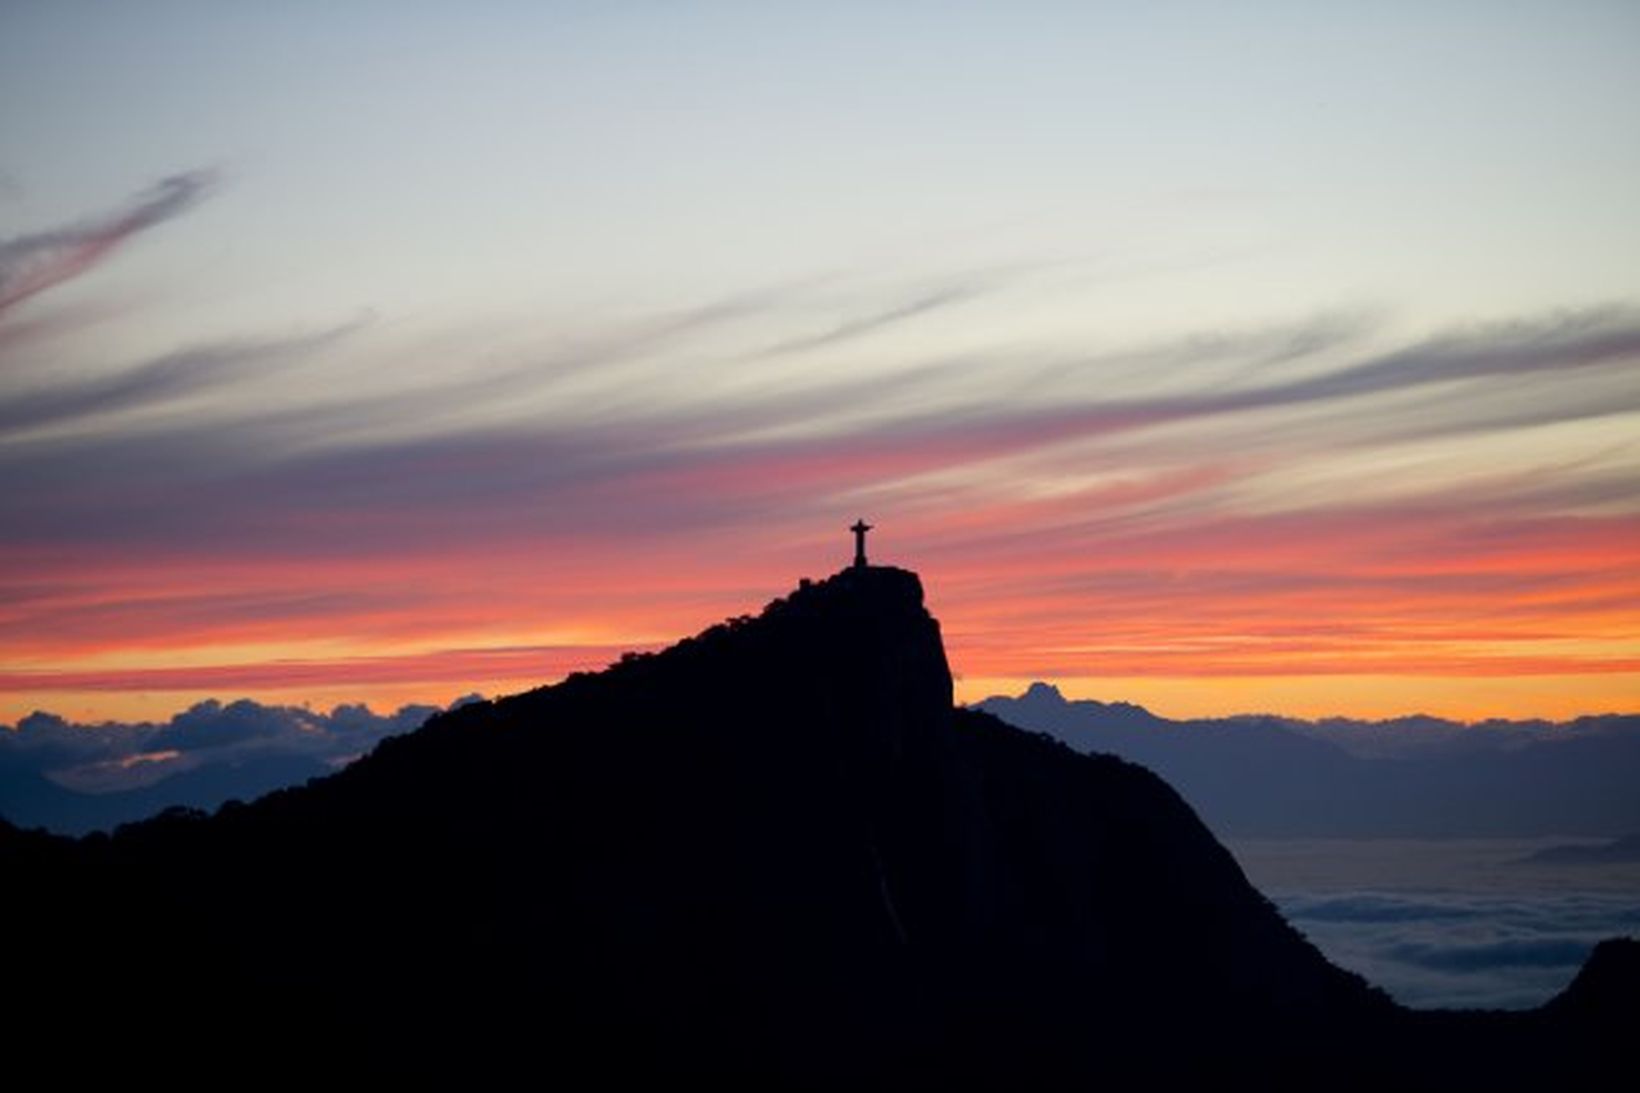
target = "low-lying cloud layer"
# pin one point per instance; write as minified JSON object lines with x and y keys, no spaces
{"x":1461,"y":950}
{"x":1447,"y":923}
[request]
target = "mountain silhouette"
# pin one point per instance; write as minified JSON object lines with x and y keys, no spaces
{"x":32,"y":800}
{"x":772,"y":856}
{"x":1279,"y":777}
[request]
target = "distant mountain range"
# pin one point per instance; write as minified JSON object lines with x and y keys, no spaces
{"x":1412,"y":777}
{"x":773,"y":856}
{"x":1247,"y":775}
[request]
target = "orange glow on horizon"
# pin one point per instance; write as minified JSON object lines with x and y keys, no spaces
{"x":1462,"y":613}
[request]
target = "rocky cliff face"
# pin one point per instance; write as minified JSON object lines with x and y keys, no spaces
{"x":772,"y":855}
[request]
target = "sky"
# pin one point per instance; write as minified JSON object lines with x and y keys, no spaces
{"x":1258,"y":357}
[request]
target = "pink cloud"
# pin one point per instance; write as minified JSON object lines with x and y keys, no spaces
{"x":30,"y":264}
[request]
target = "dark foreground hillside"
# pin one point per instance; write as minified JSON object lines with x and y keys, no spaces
{"x":773,"y":855}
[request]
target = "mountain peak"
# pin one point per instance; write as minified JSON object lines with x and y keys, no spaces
{"x":1043,"y":694}
{"x":859,"y":647}
{"x":877,"y":588}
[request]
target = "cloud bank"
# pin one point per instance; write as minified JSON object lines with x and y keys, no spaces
{"x":109,"y":756}
{"x":1463,"y":949}
{"x":75,"y":778}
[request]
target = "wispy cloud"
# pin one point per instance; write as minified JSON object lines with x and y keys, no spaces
{"x":654,"y":469}
{"x":30,"y":264}
{"x":444,"y":665}
{"x":163,"y":379}
{"x":1042,"y":488}
{"x":1560,"y":344}
{"x":862,"y":326}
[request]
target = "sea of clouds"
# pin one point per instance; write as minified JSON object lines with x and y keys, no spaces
{"x":1453,"y":923}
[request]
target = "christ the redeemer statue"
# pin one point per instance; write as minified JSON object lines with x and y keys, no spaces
{"x":860,"y":528}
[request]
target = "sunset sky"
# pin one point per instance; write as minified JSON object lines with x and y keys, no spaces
{"x":1266,"y":356}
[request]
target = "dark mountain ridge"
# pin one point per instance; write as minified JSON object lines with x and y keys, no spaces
{"x":1276,"y":777}
{"x":772,"y":855}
